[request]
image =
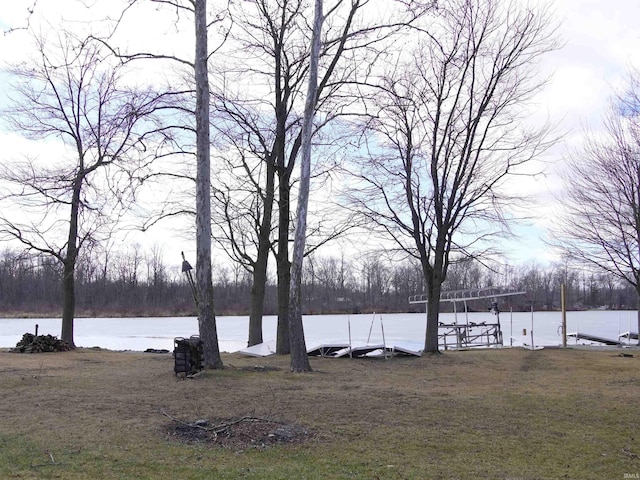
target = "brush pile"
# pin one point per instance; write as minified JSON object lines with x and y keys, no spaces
{"x":239,"y":433}
{"x":31,"y":343}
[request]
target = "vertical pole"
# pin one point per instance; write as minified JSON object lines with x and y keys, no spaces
{"x":350,"y":345}
{"x":511,"y":331}
{"x":563,"y":304}
{"x":384,"y":341}
{"x":532,"y":345}
{"x":373,"y":319}
{"x":456,"y":328}
{"x":426,"y":317}
{"x":466,"y":313}
{"x":186,"y":269}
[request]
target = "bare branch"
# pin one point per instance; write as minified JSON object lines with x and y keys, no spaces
{"x":446,"y":131}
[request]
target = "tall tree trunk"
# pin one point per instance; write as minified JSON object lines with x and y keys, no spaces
{"x":283,"y":265}
{"x":258,"y":288}
{"x":69,"y":264}
{"x":435,"y":276}
{"x":299,"y":357}
{"x":206,"y":311}
{"x":68,"y":302}
{"x":434,"y":288}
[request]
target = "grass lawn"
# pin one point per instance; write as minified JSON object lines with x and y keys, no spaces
{"x":494,"y":414}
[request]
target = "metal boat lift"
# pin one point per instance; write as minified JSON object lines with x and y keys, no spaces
{"x":470,"y":334}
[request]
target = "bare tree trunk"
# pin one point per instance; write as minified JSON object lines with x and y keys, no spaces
{"x":283,"y":265}
{"x":435,"y":275}
{"x":68,"y":303}
{"x":258,"y":288}
{"x":206,"y":311}
{"x":69,"y":262}
{"x":299,"y":357}
{"x":434,"y":289}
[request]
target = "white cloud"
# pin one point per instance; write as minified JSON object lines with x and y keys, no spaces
{"x":601,"y":41}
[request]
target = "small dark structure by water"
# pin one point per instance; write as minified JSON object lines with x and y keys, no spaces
{"x":188,"y":354}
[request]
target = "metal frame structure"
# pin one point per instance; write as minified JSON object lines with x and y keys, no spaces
{"x":470,"y":334}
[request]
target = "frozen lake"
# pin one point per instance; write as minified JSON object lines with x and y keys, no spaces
{"x":159,"y":332}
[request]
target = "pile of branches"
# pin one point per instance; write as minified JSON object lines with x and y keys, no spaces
{"x":31,"y":343}
{"x":238,"y":433}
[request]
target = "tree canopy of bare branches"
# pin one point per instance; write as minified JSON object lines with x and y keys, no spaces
{"x":260,"y":98}
{"x":448,"y":129}
{"x":195,"y":111}
{"x":600,"y":223}
{"x":73,"y":195}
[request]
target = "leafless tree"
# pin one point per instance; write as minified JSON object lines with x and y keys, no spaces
{"x":198,"y":123}
{"x":30,"y":283}
{"x":243,"y":202}
{"x":204,"y":281}
{"x":262,"y":92}
{"x":243,"y":199}
{"x":600,"y":224}
{"x":299,"y":358}
{"x":156,"y":270}
{"x":73,"y":94}
{"x":449,"y":128}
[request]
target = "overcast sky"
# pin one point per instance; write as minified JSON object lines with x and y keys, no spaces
{"x":601,"y":41}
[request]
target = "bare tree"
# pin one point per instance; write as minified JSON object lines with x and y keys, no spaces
{"x":156,"y":269}
{"x":261,"y":94}
{"x":198,"y":113}
{"x":204,"y":281}
{"x":299,"y":358}
{"x":243,"y":203}
{"x":73,"y":94}
{"x":600,"y":225}
{"x":449,"y":128}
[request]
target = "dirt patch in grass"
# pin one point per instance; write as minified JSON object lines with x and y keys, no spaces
{"x":495,"y":414}
{"x":237,"y":433}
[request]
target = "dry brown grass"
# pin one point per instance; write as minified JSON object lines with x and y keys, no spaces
{"x":507,"y":413}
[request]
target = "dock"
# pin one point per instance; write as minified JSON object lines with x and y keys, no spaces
{"x":595,"y":338}
{"x":327,"y":349}
{"x":365,"y":350}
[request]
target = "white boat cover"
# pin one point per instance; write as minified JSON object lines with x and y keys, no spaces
{"x":260,"y":350}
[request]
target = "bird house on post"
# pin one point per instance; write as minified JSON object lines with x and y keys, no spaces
{"x":186,"y":269}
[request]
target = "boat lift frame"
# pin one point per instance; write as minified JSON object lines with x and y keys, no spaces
{"x":466,"y":335}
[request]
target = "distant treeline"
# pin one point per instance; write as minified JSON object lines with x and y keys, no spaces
{"x":138,"y":283}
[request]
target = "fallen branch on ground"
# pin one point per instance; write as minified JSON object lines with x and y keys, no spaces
{"x":244,"y":431}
